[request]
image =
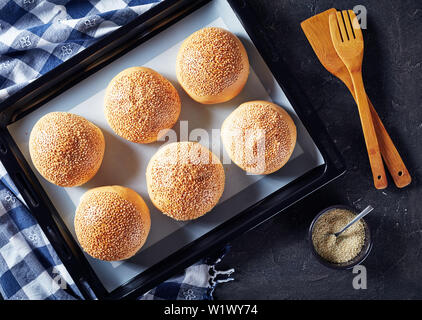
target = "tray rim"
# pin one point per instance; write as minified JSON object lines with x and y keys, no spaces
{"x":26,"y":100}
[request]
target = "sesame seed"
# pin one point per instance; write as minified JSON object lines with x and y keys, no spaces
{"x":185,"y":180}
{"x":66,"y":149}
{"x":210,"y":61}
{"x":140,"y":104}
{"x":259,"y":137}
{"x":347,"y":245}
{"x":109,"y":225}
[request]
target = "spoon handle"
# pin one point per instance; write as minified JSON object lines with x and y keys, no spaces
{"x":365,"y":211}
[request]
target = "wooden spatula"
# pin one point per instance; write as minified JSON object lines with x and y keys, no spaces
{"x":317,"y":31}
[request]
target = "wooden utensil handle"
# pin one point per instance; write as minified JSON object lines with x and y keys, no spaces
{"x":375,"y":160}
{"x":391,"y":156}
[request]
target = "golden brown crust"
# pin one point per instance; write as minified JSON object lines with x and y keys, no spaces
{"x":259,"y":136}
{"x":112,"y":223}
{"x":185,"y":180}
{"x":141,"y":105}
{"x":212,"y":65}
{"x":66,"y":149}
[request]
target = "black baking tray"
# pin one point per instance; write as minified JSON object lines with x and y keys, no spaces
{"x":96,"y":57}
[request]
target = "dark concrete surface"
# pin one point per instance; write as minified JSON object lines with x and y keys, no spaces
{"x":274,"y":260}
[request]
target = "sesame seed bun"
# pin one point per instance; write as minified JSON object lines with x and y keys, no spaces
{"x":112,"y":223}
{"x":185,"y":180}
{"x":212,"y":65}
{"x":259,"y":136}
{"x":141,"y":105}
{"x":66,"y":149}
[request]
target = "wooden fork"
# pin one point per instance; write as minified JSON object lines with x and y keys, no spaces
{"x":317,"y":31}
{"x":348,"y":42}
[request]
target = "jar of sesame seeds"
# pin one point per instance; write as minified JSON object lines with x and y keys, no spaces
{"x":346,"y":250}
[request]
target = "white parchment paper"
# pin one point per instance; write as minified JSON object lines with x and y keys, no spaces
{"x":125,"y":162}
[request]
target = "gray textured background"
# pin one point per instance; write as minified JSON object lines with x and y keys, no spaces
{"x":274,"y":260}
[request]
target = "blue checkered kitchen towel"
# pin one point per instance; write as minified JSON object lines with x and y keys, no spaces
{"x":36,"y":36}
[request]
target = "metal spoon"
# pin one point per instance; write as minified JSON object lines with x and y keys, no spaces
{"x":365,"y":211}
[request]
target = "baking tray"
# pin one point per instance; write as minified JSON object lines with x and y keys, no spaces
{"x":152,"y":40}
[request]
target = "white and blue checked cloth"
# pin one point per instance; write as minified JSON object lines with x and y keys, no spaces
{"x":36,"y":36}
